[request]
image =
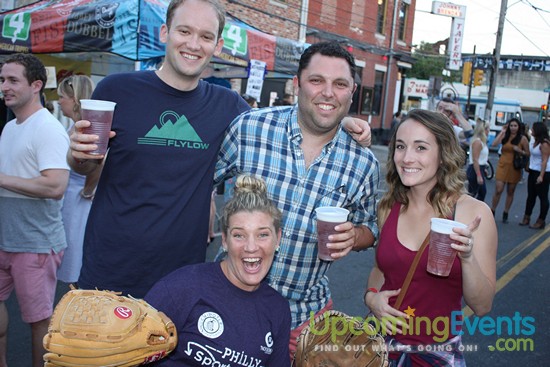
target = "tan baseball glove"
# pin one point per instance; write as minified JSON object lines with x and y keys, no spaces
{"x":338,"y":340}
{"x":102,"y":328}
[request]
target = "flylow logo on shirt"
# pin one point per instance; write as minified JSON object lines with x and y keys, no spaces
{"x":175,"y":131}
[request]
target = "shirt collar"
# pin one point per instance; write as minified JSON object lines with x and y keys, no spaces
{"x":295,"y":132}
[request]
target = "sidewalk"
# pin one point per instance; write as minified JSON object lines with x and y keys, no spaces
{"x":381,"y":153}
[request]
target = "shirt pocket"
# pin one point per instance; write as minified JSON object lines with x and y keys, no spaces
{"x":333,"y":196}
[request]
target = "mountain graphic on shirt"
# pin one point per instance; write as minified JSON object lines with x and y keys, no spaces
{"x":174,"y":131}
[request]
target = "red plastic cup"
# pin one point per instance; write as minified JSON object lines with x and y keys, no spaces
{"x":328,"y":217}
{"x":100,"y":114}
{"x":440,"y":253}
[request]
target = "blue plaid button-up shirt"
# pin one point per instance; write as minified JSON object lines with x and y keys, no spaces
{"x":266,"y":143}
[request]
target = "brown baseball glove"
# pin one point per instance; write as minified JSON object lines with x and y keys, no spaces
{"x":338,"y":340}
{"x":102,"y":328}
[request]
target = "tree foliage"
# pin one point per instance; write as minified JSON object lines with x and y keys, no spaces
{"x":429,"y":62}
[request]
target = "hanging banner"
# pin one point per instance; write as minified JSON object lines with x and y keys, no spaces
{"x":129,"y":28}
{"x":85,"y":25}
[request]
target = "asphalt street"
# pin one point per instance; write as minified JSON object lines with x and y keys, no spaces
{"x":520,"y":309}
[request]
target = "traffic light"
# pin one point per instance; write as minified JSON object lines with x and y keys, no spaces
{"x":478,"y":77}
{"x":466,"y":72}
{"x":544,"y":107}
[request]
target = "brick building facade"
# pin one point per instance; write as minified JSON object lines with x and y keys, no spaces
{"x":362,"y":26}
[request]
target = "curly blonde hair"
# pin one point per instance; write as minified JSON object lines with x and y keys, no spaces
{"x":450,"y":175}
{"x":250,"y":194}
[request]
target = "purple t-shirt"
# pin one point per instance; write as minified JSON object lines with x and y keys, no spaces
{"x":219,"y":324}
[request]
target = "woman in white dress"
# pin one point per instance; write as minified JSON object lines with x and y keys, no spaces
{"x":479,"y":155}
{"x":80,"y":191}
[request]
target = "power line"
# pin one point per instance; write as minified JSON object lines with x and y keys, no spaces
{"x":537,"y":10}
{"x":527,"y":38}
{"x":535,"y":7}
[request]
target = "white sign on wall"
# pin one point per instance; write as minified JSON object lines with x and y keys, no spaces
{"x":416,"y":88}
{"x":256,"y":74}
{"x":51,"y":82}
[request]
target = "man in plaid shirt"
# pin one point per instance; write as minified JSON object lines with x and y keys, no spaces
{"x":308,"y":161}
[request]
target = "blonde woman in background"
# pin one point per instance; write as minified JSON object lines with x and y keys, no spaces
{"x":80,"y":191}
{"x":477,"y":160}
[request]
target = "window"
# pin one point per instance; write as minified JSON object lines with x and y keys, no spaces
{"x":354,"y":108}
{"x":366,"y":101}
{"x":403,"y":15}
{"x":471,"y":111}
{"x":377,"y":92}
{"x":381,"y":17}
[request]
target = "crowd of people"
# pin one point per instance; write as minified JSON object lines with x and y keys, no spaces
{"x":135,"y":220}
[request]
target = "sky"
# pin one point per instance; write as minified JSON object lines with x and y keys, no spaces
{"x":526,"y":30}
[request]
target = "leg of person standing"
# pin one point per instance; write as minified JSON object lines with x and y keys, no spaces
{"x":541,"y":190}
{"x":499,"y":188}
{"x":38,"y":331}
{"x":33,"y":277}
{"x":510,"y":191}
{"x":531,"y":197}
{"x":3,"y":334}
{"x":482,"y":190}
{"x":473,"y":187}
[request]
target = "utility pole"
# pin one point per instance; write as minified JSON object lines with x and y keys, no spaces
{"x":388,"y":72}
{"x":496,"y":61}
{"x":474,"y":59}
{"x":303,"y":20}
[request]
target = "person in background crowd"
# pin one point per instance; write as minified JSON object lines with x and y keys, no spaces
{"x":538,"y":180}
{"x":461,"y":126}
{"x":250,"y":100}
{"x":288,"y":99}
{"x":80,"y":191}
{"x":33,"y":177}
{"x":308,"y":161}
{"x":396,"y":119}
{"x":425,"y":179}
{"x":513,"y":141}
{"x":477,"y":160}
{"x":248,"y":317}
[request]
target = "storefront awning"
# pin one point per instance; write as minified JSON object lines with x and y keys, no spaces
{"x":130,"y":29}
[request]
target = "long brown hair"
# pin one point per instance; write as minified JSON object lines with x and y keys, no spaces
{"x":450,"y":175}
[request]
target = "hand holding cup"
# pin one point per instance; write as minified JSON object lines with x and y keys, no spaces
{"x":441,"y":255}
{"x":328,"y":217}
{"x":99,"y":114}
